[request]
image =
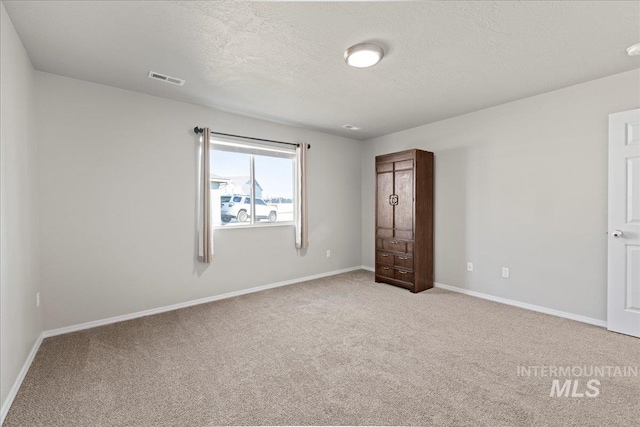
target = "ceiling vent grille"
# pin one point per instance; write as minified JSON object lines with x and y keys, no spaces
{"x":166,"y":79}
{"x":351,"y":127}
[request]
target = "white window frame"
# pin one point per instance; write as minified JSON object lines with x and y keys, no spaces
{"x":240,"y":145}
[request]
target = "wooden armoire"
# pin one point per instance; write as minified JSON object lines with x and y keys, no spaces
{"x":404,"y":219}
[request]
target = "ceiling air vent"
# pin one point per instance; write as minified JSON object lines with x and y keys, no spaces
{"x":351,"y":127}
{"x":167,"y":79}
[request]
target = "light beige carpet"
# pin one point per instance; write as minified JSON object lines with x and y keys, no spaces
{"x":339,"y":350}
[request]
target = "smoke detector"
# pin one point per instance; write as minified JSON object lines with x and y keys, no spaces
{"x":166,"y":79}
{"x":350,"y":127}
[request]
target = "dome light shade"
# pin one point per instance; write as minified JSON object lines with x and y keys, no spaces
{"x":634,"y":50}
{"x":363,"y":55}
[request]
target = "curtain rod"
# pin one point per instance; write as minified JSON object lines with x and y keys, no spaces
{"x":200,"y":130}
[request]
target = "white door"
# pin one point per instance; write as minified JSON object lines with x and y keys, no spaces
{"x":623,"y":307}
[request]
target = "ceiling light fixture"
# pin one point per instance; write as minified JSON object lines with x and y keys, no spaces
{"x":363,"y":55}
{"x":634,"y":50}
{"x":350,"y":127}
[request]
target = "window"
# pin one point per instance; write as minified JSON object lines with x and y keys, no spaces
{"x":251,"y":184}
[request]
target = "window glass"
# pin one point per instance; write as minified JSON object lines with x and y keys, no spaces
{"x":273,"y":188}
{"x":230,"y":181}
{"x":235,"y":173}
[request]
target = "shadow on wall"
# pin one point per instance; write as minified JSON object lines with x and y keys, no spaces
{"x":450,"y":217}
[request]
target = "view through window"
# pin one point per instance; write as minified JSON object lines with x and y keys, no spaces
{"x":235,"y":173}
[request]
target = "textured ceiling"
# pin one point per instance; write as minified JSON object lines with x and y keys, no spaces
{"x":283,"y":61}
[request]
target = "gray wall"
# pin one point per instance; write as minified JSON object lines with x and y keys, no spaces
{"x":20,"y":320}
{"x":118,"y":204}
{"x":521,"y":185}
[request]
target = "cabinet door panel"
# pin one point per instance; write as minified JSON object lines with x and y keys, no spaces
{"x":384,"y":167}
{"x":385,"y":232}
{"x":404,"y":208}
{"x":405,"y":164}
{"x":403,"y":234}
{"x":384,"y":217}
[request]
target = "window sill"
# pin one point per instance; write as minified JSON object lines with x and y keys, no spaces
{"x":258,"y":225}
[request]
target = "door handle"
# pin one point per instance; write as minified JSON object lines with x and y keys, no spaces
{"x":617,"y":233}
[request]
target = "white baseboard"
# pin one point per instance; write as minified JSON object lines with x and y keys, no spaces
{"x":53,"y":332}
{"x":558,"y":313}
{"x":18,"y":382}
{"x":122,"y":318}
{"x":524,"y":305}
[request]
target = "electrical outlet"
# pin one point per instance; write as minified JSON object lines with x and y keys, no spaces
{"x":328,"y":253}
{"x":469,"y":266}
{"x":505,"y":272}
{"x":37,"y":299}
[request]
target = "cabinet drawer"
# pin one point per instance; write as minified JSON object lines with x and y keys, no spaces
{"x":397,"y":245}
{"x":403,"y":261}
{"x":404,"y":275}
{"x":384,"y":270}
{"x":384,"y":258}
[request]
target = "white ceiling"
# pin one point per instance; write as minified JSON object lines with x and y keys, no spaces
{"x":283,"y":61}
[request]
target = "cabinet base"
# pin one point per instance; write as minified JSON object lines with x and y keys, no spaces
{"x":401,"y":284}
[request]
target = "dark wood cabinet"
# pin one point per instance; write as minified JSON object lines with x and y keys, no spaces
{"x":404,"y":219}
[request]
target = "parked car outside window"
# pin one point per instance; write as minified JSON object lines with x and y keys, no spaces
{"x":238,"y":207}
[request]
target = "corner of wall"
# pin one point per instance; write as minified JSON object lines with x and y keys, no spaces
{"x":20,"y":319}
{"x":504,"y":195}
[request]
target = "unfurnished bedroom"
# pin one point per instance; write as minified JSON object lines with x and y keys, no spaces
{"x":378,"y":213}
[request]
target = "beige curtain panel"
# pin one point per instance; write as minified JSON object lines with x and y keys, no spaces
{"x":302,"y":231}
{"x":205,"y":251}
